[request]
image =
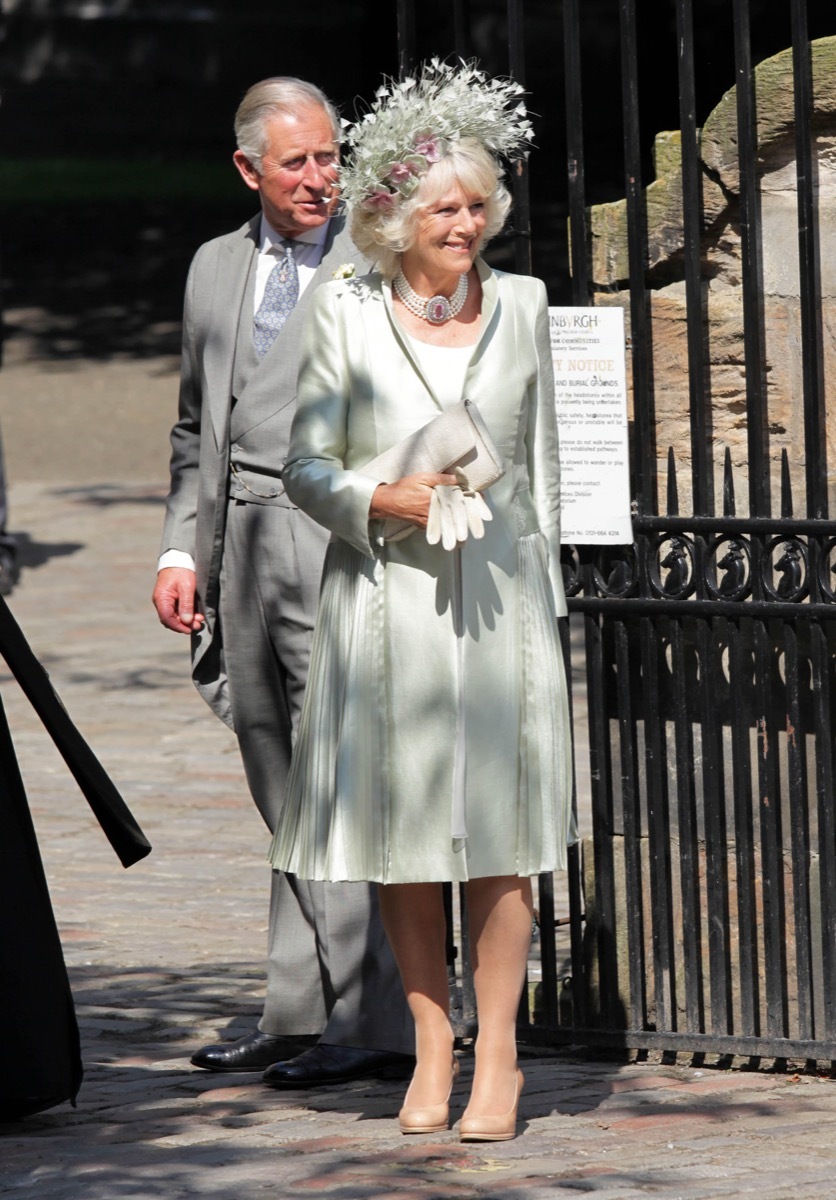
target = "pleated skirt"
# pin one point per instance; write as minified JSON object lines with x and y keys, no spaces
{"x":434,"y":740}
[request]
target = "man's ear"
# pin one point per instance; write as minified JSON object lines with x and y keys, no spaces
{"x":246,"y":170}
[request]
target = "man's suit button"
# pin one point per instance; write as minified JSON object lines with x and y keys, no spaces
{"x":235,"y":448}
{"x":239,"y":487}
{"x":274,"y":491}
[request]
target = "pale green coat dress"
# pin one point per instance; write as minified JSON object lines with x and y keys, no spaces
{"x":430,"y":747}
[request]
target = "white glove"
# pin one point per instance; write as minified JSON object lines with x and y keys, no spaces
{"x":453,"y":513}
{"x":477,"y":513}
{"x":474,"y":504}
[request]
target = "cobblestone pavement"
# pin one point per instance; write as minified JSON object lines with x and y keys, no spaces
{"x":166,"y":956}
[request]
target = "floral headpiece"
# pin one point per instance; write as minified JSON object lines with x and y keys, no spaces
{"x":413,"y":123}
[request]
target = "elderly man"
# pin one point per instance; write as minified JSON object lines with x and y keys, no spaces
{"x":240,"y":571}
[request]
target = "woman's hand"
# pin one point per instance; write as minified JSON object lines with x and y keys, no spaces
{"x":408,"y":499}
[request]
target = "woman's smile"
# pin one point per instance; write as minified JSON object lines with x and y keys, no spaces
{"x":449,"y":235}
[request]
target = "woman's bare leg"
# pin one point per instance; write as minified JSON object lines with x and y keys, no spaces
{"x":413,"y":917}
{"x":500,"y":917}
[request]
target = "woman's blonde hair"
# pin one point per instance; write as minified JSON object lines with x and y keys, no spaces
{"x":385,"y":235}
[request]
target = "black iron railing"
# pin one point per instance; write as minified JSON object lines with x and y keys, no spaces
{"x":701,"y":911}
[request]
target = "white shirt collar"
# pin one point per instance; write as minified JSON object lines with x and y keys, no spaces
{"x":311,"y":237}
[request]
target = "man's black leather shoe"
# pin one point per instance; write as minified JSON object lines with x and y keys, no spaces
{"x":253,"y":1052}
{"x":324,"y":1064}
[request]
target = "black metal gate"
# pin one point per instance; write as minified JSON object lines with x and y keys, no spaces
{"x":702,"y":907}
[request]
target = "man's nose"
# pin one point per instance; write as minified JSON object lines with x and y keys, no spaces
{"x":314,"y":176}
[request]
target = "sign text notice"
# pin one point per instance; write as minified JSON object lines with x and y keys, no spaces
{"x":591,"y":394}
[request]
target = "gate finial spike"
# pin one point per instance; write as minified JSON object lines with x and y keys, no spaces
{"x":728,"y":486}
{"x":786,"y":486}
{"x":673,"y":494}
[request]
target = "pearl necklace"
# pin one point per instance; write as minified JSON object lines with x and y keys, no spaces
{"x":437,"y":309}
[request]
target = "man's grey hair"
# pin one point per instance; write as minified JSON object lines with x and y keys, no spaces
{"x":280,"y":95}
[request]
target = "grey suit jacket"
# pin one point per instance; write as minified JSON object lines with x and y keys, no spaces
{"x":260,"y":422}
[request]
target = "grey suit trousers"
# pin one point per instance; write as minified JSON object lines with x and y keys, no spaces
{"x":330,"y":969}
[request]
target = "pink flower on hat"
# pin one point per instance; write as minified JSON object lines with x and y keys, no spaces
{"x":380,"y":200}
{"x":399,"y":172}
{"x":428,"y":146}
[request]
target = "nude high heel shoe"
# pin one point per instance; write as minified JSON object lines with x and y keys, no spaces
{"x":431,"y":1118}
{"x":490,"y":1128}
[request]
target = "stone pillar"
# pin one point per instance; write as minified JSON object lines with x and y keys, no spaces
{"x":721,"y":271}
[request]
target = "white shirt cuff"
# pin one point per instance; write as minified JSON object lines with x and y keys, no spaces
{"x":175,"y":558}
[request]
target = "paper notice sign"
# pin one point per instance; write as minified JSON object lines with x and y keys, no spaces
{"x":591,"y":395}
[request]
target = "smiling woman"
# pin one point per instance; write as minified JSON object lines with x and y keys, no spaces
{"x":433,"y":744}
{"x":386,"y":229}
{"x":436,"y":281}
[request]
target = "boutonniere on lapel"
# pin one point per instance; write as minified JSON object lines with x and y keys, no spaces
{"x":345,"y":271}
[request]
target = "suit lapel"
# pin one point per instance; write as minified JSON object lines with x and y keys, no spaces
{"x":233,"y":267}
{"x":274,"y":380}
{"x":339,"y":250}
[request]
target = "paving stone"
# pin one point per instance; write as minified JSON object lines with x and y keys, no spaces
{"x":166,"y":957}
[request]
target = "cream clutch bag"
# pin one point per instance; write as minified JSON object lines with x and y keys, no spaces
{"x":457,"y":438}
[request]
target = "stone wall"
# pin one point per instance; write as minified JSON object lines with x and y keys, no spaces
{"x":721,"y":271}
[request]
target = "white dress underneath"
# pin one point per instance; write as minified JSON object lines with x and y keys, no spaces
{"x":445,"y":367}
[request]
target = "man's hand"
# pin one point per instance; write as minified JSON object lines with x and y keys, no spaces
{"x":174,"y":600}
{"x":409,"y":498}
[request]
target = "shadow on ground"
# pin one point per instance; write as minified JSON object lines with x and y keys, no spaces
{"x":31,"y":554}
{"x":113,"y":286}
{"x":107,"y":495}
{"x":148,"y":1125}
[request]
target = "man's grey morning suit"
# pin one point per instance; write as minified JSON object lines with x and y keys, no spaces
{"x":258,"y":562}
